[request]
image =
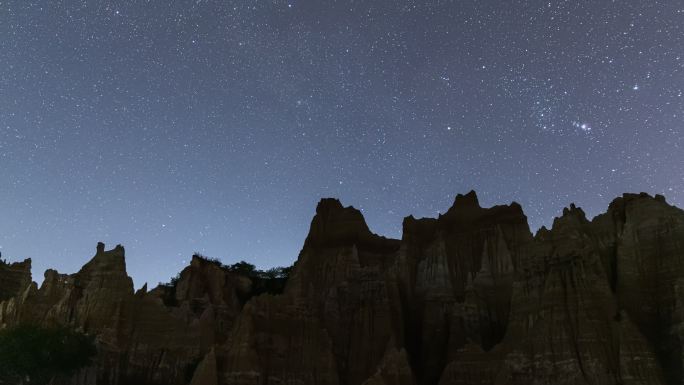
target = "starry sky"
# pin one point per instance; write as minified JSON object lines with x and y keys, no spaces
{"x":211,"y":126}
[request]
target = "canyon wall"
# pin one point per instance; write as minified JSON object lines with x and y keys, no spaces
{"x":471,"y":297}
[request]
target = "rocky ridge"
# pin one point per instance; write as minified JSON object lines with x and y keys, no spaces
{"x":471,"y":297}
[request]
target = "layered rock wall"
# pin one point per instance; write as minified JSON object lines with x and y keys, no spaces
{"x":468,"y":298}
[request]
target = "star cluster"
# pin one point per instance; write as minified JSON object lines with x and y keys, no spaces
{"x":215,"y":126}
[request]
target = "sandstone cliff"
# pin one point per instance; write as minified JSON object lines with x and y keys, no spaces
{"x":14,"y":278}
{"x":471,"y":297}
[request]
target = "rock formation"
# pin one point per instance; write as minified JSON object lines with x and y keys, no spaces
{"x":14,"y":278}
{"x":469,"y":298}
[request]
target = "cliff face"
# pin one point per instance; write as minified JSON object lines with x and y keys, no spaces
{"x":471,"y":297}
{"x":142,"y":339}
{"x":457,"y":274}
{"x":339,"y":314}
{"x":14,"y":277}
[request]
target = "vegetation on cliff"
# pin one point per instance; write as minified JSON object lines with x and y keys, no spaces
{"x":271,"y":281}
{"x":34,"y":355}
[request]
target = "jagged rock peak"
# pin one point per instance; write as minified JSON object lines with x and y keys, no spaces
{"x":14,"y":278}
{"x":23,"y":266}
{"x":466,"y":208}
{"x":198,"y":261}
{"x":142,"y":291}
{"x":328,"y":204}
{"x":423,"y":228}
{"x":620,"y":202}
{"x":330,"y":212}
{"x":470,"y":203}
{"x":52,"y":278}
{"x":118,"y":250}
{"x":542,"y":233}
{"x":110,"y":261}
{"x":467,"y":200}
{"x":575,"y":212}
{"x":334,"y":223}
{"x":572,"y":217}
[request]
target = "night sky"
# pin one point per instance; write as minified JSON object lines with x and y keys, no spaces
{"x":210,"y":126}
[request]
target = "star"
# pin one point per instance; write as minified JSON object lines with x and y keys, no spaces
{"x":582,"y":126}
{"x":267,"y":108}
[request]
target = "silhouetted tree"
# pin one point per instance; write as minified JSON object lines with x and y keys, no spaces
{"x":33,"y":355}
{"x":270,"y":281}
{"x":243,"y":268}
{"x":277,"y":273}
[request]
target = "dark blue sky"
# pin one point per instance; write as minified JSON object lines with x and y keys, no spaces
{"x":215,"y":126}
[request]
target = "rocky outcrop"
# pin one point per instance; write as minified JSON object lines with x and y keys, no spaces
{"x":143,"y":338}
{"x":568,"y":323}
{"x":339,"y":312}
{"x":641,"y":241}
{"x":471,"y":297}
{"x":14,"y":278}
{"x":457,"y":277}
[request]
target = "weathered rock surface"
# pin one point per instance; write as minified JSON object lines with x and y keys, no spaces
{"x":457,"y":275}
{"x":14,"y":278}
{"x":206,"y":373}
{"x":339,"y":312}
{"x":141,"y":339}
{"x":394,"y":369}
{"x":471,"y":297}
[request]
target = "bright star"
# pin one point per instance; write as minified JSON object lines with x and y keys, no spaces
{"x":582,"y":126}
